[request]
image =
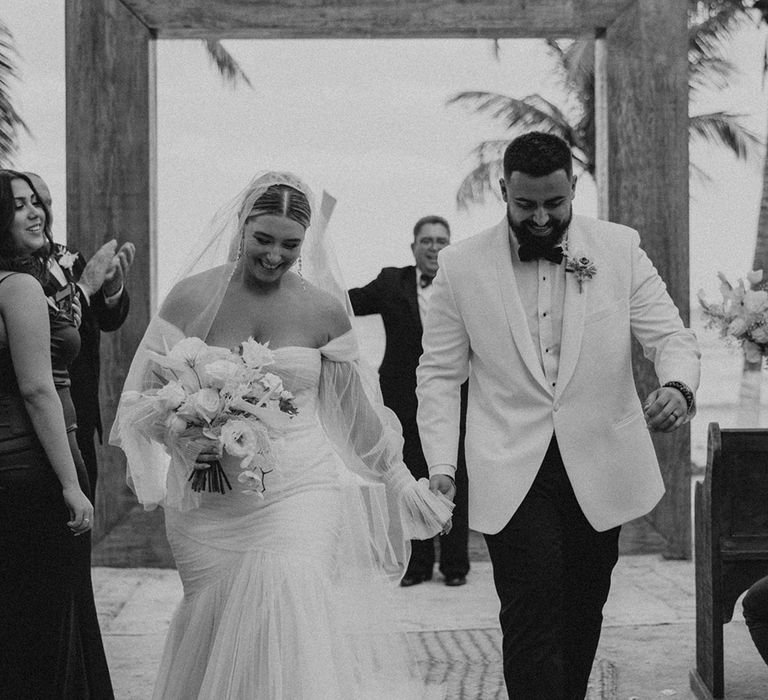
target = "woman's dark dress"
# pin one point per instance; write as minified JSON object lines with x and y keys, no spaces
{"x":50,"y":642}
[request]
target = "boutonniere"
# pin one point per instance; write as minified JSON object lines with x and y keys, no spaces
{"x":66,"y":260}
{"x":581,"y":266}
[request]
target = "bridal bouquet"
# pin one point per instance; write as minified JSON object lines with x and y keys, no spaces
{"x":742,"y":316}
{"x":224,"y":395}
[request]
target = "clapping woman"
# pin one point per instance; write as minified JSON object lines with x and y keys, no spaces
{"x":50,"y":643}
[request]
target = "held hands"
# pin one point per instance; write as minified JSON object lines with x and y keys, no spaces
{"x":80,"y":510}
{"x":442,"y":483}
{"x":665,"y":410}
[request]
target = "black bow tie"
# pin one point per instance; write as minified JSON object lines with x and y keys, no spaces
{"x":425,"y":281}
{"x":528,"y":251}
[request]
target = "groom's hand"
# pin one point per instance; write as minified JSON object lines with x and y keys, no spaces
{"x":441,"y":483}
{"x":665,"y":410}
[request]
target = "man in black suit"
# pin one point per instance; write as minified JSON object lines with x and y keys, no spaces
{"x":401,"y":296}
{"x":105,"y":304}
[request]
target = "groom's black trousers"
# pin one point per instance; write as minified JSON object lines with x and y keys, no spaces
{"x":552,"y":572}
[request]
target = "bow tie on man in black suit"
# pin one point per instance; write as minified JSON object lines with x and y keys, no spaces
{"x":425,"y":280}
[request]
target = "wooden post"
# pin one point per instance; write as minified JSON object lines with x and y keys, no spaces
{"x":647,"y":139}
{"x":110,"y":69}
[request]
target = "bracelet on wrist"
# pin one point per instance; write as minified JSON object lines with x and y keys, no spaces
{"x":685,"y":391}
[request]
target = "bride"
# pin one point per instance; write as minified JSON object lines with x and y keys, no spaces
{"x":285,"y":588}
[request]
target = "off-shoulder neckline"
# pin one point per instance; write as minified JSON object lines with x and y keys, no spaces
{"x":338,"y":338}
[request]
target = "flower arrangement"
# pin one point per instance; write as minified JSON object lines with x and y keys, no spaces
{"x":581,"y":266}
{"x":742,"y":316}
{"x":223,"y":395}
{"x":66,"y":259}
{"x":60,"y":296}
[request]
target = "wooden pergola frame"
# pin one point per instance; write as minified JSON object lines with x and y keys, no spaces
{"x":642,"y":135}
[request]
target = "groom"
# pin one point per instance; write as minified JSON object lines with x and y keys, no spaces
{"x":539,"y":312}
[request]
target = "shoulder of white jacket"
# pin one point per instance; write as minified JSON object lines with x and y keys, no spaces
{"x":601,"y":228}
{"x":588,"y":223}
{"x":476,"y":241}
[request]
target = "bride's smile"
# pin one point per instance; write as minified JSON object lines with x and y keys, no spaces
{"x":271,"y":245}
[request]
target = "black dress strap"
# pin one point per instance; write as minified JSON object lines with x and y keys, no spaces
{"x":5,"y":277}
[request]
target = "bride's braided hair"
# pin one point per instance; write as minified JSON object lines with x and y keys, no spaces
{"x":283,"y":200}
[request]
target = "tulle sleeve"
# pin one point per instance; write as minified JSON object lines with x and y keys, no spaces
{"x":154,"y":472}
{"x":368,"y":438}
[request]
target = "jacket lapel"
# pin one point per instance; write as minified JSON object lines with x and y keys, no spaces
{"x":513,"y":307}
{"x":573,"y":311}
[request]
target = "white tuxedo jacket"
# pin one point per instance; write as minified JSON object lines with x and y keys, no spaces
{"x":476,"y":327}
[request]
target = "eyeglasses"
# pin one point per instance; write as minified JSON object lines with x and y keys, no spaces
{"x":430,"y":242}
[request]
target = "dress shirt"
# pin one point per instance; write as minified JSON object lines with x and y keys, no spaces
{"x":423,"y":294}
{"x":541,"y":286}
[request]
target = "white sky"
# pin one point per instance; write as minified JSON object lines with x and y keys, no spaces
{"x":364,"y":119}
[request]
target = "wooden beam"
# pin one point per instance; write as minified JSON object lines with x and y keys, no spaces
{"x":110,"y":115}
{"x":286,"y":19}
{"x":647,"y":114}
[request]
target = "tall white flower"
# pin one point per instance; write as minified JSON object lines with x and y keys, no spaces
{"x":257,"y":355}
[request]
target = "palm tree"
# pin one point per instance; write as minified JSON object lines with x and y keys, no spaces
{"x":228,"y":67}
{"x":10,"y":121}
{"x":574,"y":120}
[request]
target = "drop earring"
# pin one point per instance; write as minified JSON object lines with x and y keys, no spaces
{"x":240,"y":249}
{"x":301,"y":274}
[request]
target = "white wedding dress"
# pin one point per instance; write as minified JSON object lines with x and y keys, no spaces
{"x":284,"y":597}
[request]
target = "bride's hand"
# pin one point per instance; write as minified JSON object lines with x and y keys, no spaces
{"x":442,"y":483}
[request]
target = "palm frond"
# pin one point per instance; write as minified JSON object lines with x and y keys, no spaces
{"x":697,"y":173}
{"x":580,"y":64}
{"x":724,"y":129}
{"x":532,"y":111}
{"x":10,"y":120}
{"x":709,"y":72}
{"x":712,"y":25}
{"x":226,"y":64}
{"x":480,"y":182}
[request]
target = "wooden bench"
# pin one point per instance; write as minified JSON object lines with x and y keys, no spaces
{"x":731,"y":511}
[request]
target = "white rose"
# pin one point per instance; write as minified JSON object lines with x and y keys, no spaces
{"x":755,"y":302}
{"x":737,"y":327}
{"x":204,"y":404}
{"x":172,"y":395}
{"x":755,"y":277}
{"x":176,"y":424}
{"x":760,"y":334}
{"x":209,"y":403}
{"x":219,"y":372}
{"x":256,"y":355}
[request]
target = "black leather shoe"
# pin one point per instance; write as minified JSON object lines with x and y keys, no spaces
{"x":412,"y":580}
{"x":455,"y":580}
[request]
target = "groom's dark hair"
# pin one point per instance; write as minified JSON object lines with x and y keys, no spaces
{"x":538,"y":154}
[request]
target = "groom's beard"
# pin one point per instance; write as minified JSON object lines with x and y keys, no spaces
{"x":524,"y":235}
